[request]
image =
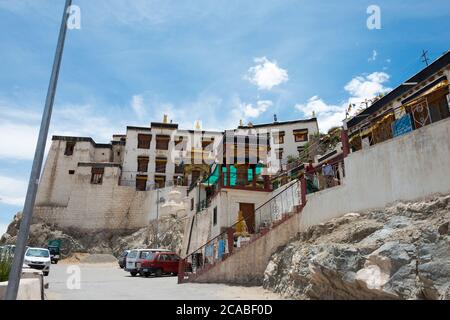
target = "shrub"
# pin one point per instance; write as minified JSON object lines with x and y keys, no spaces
{"x":5,"y":266}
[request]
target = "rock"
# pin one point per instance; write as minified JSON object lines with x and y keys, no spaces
{"x":443,"y":229}
{"x":434,"y":269}
{"x":401,"y":252}
{"x":170,"y":234}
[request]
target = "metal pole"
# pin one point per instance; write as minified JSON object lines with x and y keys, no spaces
{"x":22,"y":237}
{"x":157,"y":218}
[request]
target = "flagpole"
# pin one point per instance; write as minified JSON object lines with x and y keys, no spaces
{"x":22,"y":237}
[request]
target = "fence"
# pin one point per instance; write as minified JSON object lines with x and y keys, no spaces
{"x":320,"y":178}
{"x":273,"y":212}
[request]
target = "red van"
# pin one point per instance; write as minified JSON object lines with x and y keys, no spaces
{"x":158,"y":263}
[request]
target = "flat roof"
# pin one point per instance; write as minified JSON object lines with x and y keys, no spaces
{"x":422,"y":75}
{"x":82,"y":139}
{"x":278,"y":123}
{"x":164,"y":125}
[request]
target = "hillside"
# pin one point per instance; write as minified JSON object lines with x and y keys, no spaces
{"x":400,"y":252}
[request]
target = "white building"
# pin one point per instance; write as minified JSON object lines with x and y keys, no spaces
{"x":124,"y":184}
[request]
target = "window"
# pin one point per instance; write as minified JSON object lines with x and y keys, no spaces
{"x":141,"y":182}
{"x":215,"y":216}
{"x":206,"y":142}
{"x":279,"y":153}
{"x":301,"y":135}
{"x":97,"y":175}
{"x":70,"y":146}
{"x":192,"y":204}
{"x":144,"y":141}
{"x":301,"y":151}
{"x":71,"y":171}
{"x":143,"y":164}
{"x":160,"y":181}
{"x":162,"y":142}
{"x":179,"y":169}
{"x":160,"y":165}
{"x":181,"y":143}
{"x":279,"y":137}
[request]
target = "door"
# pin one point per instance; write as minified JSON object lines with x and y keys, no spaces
{"x":248,"y":212}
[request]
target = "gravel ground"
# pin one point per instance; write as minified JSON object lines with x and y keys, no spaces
{"x":107,"y":281}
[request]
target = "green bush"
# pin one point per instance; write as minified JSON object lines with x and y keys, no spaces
{"x":5,"y":266}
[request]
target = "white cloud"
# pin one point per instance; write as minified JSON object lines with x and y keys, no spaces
{"x":359,"y":89}
{"x":3,"y":228}
{"x":12,"y":191}
{"x":266,"y":74}
{"x":70,"y":120}
{"x":18,"y":140}
{"x":250,"y":111}
{"x":137,"y":104}
{"x":374,"y":56}
{"x":368,"y":86}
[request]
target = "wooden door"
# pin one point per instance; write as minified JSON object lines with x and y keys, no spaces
{"x":248,"y":212}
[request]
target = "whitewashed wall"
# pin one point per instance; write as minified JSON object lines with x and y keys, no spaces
{"x":405,"y":168}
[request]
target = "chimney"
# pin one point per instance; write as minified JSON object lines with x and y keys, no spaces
{"x":166,"y":119}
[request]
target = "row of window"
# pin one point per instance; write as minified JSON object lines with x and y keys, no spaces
{"x":162,"y":141}
{"x":160,"y":165}
{"x":279,"y":152}
{"x":300,"y":135}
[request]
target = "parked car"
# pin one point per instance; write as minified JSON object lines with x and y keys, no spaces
{"x":38,"y":258}
{"x":122,"y":260}
{"x":158,"y":263}
{"x":134,"y":256}
{"x":54,"y":254}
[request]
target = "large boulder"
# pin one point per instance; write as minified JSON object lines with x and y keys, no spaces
{"x":401,"y":252}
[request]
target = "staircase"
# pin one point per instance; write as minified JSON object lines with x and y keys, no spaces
{"x":232,"y":258}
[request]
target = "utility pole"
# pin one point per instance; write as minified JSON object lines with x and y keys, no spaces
{"x":424,"y":57}
{"x":22,"y":237}
{"x":157,"y":217}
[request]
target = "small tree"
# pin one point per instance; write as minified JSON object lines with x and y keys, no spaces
{"x":5,"y":266}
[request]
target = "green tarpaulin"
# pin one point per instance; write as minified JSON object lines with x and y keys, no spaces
{"x":214,"y":177}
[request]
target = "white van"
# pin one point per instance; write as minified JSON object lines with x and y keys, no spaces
{"x":38,"y":258}
{"x":134,"y":256}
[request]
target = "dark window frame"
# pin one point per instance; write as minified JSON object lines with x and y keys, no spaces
{"x":70,"y":148}
{"x":144,"y":141}
{"x":215,"y":216}
{"x":162,"y":142}
{"x":143,"y":162}
{"x":97,"y":175}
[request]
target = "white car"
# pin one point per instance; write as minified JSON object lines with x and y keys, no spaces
{"x":38,"y":258}
{"x":134,"y":256}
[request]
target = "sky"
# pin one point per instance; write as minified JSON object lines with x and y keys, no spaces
{"x":217,"y":61}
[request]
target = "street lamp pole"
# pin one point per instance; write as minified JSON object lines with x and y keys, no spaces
{"x":22,"y":237}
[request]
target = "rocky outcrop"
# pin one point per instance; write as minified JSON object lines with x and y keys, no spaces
{"x":401,"y":252}
{"x":170,"y":233}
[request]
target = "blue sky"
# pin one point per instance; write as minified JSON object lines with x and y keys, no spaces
{"x":214,"y":61}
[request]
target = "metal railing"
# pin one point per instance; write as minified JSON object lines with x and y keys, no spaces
{"x":278,"y":207}
{"x":317,"y":180}
{"x":268,"y":215}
